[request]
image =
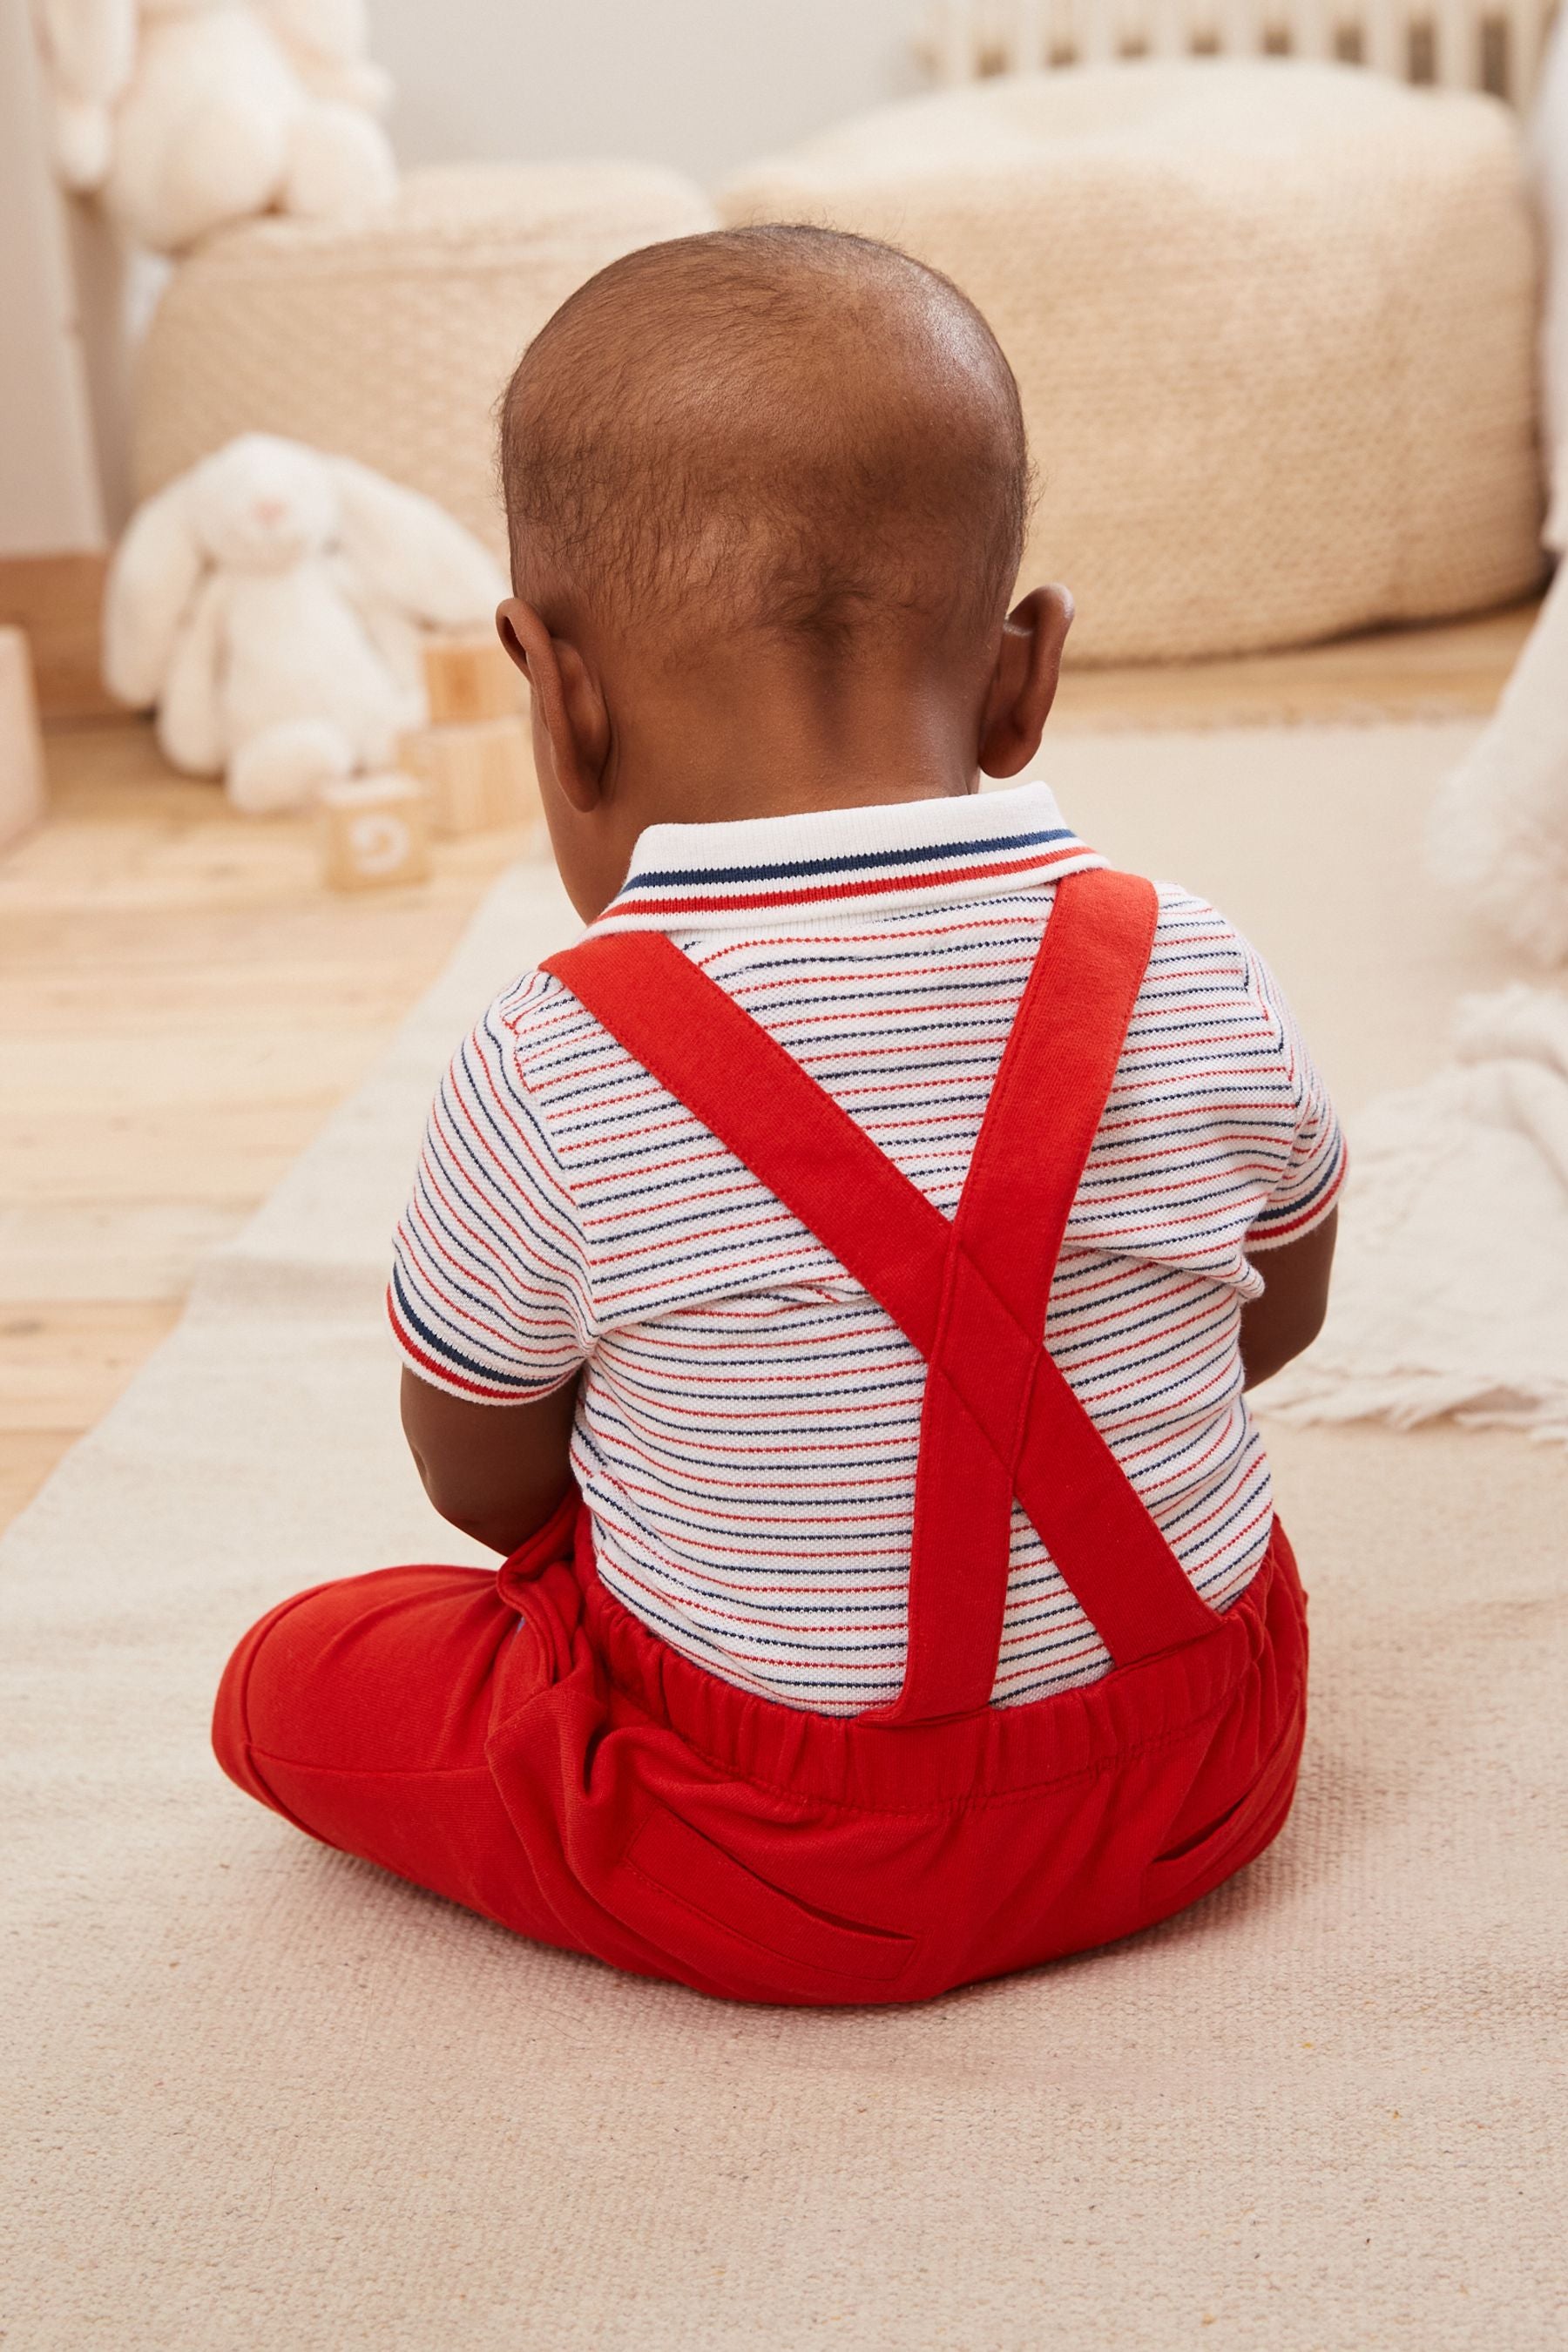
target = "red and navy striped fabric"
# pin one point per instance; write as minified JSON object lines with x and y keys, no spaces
{"x":747,"y":1430}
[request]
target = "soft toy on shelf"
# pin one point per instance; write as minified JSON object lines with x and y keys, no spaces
{"x":189,"y":114}
{"x":272,"y":602}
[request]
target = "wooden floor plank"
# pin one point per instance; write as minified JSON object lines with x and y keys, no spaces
{"x":64,"y":1362}
{"x":62,"y":1250}
{"x":27,"y":1458}
{"x":167,"y":1067}
{"x":228,"y":1156}
{"x":182,"y":1006}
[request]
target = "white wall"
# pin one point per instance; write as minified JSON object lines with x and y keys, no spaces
{"x":49,"y":498}
{"x":703,"y":85}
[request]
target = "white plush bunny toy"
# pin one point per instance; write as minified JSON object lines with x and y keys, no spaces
{"x":271,"y":602}
{"x":189,"y":114}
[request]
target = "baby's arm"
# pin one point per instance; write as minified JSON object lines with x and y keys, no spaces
{"x":1290,"y":1315}
{"x":496,"y":1471}
{"x":490,"y":1301}
{"x":1291,"y":1240}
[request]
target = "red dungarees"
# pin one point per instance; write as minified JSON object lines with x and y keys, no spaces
{"x":578,"y":1781}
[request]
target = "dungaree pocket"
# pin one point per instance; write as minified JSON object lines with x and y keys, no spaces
{"x":1211,"y":1850}
{"x":682,"y":1867}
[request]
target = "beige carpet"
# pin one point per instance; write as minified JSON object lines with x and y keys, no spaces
{"x":258,"y":2096}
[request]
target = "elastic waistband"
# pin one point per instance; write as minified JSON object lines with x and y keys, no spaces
{"x":992,"y":1752}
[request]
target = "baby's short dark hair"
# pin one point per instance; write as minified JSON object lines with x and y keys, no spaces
{"x":779,"y":428}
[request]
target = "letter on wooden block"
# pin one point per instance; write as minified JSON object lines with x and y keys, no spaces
{"x":479,"y":777}
{"x":21,"y":744}
{"x":375,"y":832}
{"x":469,"y":680}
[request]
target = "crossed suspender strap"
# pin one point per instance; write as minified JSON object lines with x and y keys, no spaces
{"x":998,"y":1419}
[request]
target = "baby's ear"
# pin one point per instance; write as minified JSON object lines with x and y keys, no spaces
{"x":410,"y":552}
{"x":152,"y":582}
{"x":1024,"y":682}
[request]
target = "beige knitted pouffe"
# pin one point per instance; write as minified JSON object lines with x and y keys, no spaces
{"x":1273,"y":325}
{"x":391,"y":342}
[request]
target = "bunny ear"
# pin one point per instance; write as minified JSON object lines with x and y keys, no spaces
{"x":410,"y":552}
{"x":91,"y":49}
{"x":92,"y":46}
{"x":156,"y":571}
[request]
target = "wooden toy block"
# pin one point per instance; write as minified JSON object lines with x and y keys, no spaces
{"x":469,"y":680}
{"x":21,"y":744}
{"x":375,"y":832}
{"x":479,"y":777}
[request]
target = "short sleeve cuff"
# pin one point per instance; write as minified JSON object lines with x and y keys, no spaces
{"x":449,"y":1361}
{"x":1292,"y":1219}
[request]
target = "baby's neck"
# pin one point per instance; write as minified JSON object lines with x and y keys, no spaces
{"x":769,"y":742}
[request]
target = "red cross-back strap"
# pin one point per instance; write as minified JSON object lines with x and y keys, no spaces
{"x":1046,"y":1105}
{"x":742,"y":1085}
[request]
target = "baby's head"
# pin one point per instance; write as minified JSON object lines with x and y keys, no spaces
{"x":767,"y":492}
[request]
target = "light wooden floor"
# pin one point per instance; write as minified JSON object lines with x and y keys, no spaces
{"x":182,"y":1004}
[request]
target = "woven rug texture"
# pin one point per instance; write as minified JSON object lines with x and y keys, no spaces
{"x":261,"y":2096}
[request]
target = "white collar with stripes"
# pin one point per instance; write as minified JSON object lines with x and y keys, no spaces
{"x":770,"y":873}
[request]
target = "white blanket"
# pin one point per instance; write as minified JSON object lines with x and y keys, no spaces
{"x":1451,"y":1290}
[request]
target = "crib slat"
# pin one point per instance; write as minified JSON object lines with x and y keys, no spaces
{"x":950,"y":41}
{"x":1310,"y":27}
{"x":1526,"y":38}
{"x":1060,"y":32}
{"x":1384,"y":45}
{"x":1095,"y":32}
{"x":1165,"y":24}
{"x":1027,"y":39}
{"x":1129,"y":28}
{"x":1457,"y":62}
{"x":966,"y":37}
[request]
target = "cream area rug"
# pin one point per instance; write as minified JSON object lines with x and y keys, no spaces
{"x":260,"y":2096}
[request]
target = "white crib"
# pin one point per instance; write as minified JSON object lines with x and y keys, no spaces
{"x":1490,"y":45}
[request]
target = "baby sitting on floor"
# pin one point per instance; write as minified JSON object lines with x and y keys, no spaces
{"x":851,"y":1642}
